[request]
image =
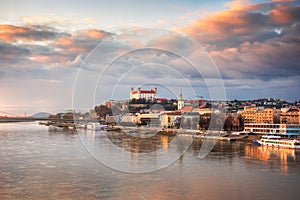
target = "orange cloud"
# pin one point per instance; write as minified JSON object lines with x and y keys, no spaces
{"x":237,"y":4}
{"x":11,"y":33}
{"x":77,"y":50}
{"x":64,"y":41}
{"x":96,"y":34}
{"x":49,"y":59}
{"x":41,"y":58}
{"x":281,"y":14}
{"x":242,"y":22}
{"x":219,"y":25}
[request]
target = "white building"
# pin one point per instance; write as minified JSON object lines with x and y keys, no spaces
{"x":148,"y":95}
{"x":278,"y":129}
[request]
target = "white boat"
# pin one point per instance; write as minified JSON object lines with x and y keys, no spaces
{"x":55,"y":128}
{"x":277,"y":141}
{"x":96,"y":126}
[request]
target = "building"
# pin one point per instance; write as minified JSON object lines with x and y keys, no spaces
{"x":190,"y":120}
{"x":150,"y":119}
{"x":249,"y":114}
{"x":290,"y":116}
{"x":203,"y":111}
{"x":268,"y":115}
{"x":180,"y":102}
{"x":112,"y":119}
{"x":128,"y":118}
{"x":148,"y":95}
{"x":170,"y":119}
{"x":278,"y":129}
{"x":256,"y":115}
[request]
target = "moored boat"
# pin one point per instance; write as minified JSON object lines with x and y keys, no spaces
{"x":277,"y":141}
{"x":96,"y":126}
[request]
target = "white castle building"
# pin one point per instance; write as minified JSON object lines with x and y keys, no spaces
{"x":148,"y":95}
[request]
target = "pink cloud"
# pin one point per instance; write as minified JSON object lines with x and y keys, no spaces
{"x":242,"y":21}
{"x":95,"y":34}
{"x":282,"y":15}
{"x":11,"y":33}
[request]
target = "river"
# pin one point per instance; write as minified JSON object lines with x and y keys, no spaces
{"x":41,"y":164}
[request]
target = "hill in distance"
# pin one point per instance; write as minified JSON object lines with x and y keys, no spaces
{"x":41,"y":115}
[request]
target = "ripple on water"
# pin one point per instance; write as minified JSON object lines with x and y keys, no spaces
{"x":36,"y":164}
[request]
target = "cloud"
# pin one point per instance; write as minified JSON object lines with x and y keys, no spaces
{"x":161,"y":22}
{"x":255,"y":46}
{"x":38,"y":19}
{"x":242,"y":23}
{"x":267,"y":60}
{"x":41,"y":45}
{"x":10,"y":33}
{"x":96,"y":34}
{"x":237,"y":4}
{"x":257,"y":43}
{"x":90,"y":20}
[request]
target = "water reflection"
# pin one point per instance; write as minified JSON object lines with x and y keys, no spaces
{"x":124,"y":152}
{"x":272,"y":155}
{"x":37,"y":164}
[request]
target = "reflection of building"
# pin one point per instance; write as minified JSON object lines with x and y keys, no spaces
{"x":280,"y":129}
{"x":148,"y":95}
{"x":164,"y":141}
{"x":267,"y":154}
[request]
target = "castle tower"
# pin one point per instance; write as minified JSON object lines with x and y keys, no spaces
{"x":131,"y":93}
{"x":180,"y":102}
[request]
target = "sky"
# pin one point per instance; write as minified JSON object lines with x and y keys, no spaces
{"x":57,"y":55}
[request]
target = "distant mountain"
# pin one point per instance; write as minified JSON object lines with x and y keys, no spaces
{"x":41,"y":115}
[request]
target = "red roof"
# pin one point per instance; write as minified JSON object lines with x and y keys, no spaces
{"x":187,"y":109}
{"x":177,"y":112}
{"x":162,"y":99}
{"x":145,"y":92}
{"x":194,"y":101}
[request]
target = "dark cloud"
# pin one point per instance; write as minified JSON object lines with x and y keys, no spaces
{"x":12,"y":33}
{"x":40,"y":45}
{"x":11,"y":54}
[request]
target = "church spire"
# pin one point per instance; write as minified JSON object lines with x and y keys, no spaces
{"x":180,"y":95}
{"x":180,"y":102}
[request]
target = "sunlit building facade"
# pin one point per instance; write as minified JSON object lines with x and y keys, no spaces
{"x":291,"y":116}
{"x":148,"y":95}
{"x":277,"y":129}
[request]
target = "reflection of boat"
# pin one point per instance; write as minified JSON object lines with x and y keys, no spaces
{"x":96,"y":126}
{"x":277,"y":141}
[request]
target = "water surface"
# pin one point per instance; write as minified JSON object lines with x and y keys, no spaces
{"x":38,"y":164}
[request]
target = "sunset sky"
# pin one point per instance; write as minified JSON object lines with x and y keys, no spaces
{"x":254,"y":44}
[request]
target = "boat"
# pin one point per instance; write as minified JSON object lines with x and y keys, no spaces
{"x":96,"y":126}
{"x":55,"y":128}
{"x":277,"y":141}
